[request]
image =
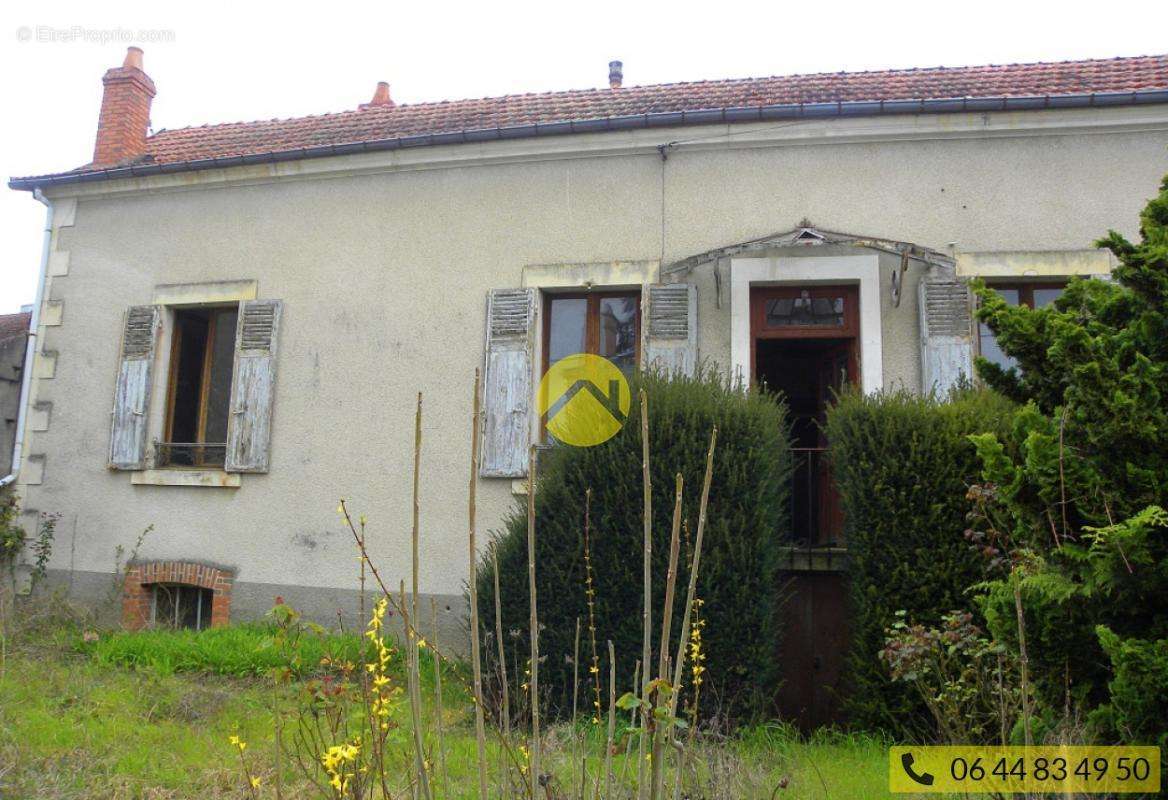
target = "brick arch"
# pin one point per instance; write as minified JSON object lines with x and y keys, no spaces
{"x":141,"y":576}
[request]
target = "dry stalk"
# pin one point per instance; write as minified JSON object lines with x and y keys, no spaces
{"x":1023,"y":660}
{"x":647,"y":611}
{"x":417,"y":504}
{"x":506,"y":702}
{"x":691,"y":590}
{"x":412,"y":639}
{"x":576,"y":691}
{"x":439,"y":724}
{"x":662,"y":728}
{"x":690,"y":594}
{"x":415,"y":696}
{"x":475,"y":654}
{"x":611,"y":722}
{"x":401,"y":609}
{"x":533,"y":622}
{"x":632,"y":721}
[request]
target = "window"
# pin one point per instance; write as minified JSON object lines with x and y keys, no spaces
{"x":181,"y":606}
{"x":198,"y":407}
{"x":783,"y":312}
{"x":1032,"y":295}
{"x":602,"y":323}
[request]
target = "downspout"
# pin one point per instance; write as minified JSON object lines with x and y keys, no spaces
{"x":30,"y":345}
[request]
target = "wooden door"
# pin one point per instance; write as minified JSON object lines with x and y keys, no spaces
{"x":836,"y":370}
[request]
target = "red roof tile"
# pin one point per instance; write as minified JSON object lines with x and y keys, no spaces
{"x":14,"y":325}
{"x":380,"y":123}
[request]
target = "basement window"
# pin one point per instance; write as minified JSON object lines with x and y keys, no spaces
{"x":180,"y":606}
{"x":198,"y":405}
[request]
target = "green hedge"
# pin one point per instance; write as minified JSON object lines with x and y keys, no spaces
{"x":737,"y":580}
{"x":904,"y":464}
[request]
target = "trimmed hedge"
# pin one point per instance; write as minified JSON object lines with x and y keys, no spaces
{"x":904,"y":465}
{"x":737,"y":581}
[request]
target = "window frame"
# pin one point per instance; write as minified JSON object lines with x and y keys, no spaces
{"x":1025,"y":291}
{"x":591,"y":321}
{"x":759,"y":295}
{"x":214,"y":315}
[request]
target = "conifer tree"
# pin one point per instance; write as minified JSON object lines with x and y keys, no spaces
{"x":1073,"y":505}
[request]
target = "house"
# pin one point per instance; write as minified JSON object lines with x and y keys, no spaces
{"x":236,"y":318}
{"x":13,"y":345}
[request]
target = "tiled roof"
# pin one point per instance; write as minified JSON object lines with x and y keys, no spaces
{"x":381,"y":123}
{"x":13,"y":325}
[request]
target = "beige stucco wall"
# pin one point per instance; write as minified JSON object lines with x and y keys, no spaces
{"x":384,"y":274}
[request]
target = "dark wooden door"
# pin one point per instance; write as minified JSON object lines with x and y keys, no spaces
{"x":811,"y":651}
{"x":836,"y":369}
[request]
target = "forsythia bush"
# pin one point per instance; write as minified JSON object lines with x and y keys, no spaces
{"x":737,"y":582}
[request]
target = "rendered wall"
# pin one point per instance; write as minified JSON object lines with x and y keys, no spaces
{"x":384,"y":277}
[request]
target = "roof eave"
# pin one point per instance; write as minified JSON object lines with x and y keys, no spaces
{"x":728,"y":115}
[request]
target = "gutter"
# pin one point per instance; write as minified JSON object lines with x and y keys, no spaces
{"x":30,"y":345}
{"x":783,"y":111}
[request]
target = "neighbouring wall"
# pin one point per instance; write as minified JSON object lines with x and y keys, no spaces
{"x":13,"y":345}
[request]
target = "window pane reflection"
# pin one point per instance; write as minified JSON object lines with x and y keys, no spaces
{"x":988,"y":342}
{"x":618,"y":331}
{"x":568,"y":327}
{"x":1044,"y":297}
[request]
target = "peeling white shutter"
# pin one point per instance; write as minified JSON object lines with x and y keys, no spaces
{"x":253,"y":384}
{"x":132,"y":390}
{"x":946,"y":333}
{"x":671,"y":329}
{"x":507,"y":383}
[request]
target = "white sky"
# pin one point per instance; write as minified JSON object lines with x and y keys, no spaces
{"x":244,"y":61}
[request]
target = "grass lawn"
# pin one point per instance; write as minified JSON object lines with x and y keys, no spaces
{"x":150,"y":715}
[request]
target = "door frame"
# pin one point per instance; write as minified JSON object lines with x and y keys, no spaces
{"x":850,"y":330}
{"x":862,"y":271}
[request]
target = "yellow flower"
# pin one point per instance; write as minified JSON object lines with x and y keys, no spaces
{"x":255,"y":783}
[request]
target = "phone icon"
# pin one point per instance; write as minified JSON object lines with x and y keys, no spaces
{"x":906,"y":761}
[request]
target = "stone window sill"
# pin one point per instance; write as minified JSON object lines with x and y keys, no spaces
{"x":207,"y":478}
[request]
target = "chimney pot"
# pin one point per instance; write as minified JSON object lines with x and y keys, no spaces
{"x":133,"y":58}
{"x":124,"y":120}
{"x":616,"y":74}
{"x":381,"y":97}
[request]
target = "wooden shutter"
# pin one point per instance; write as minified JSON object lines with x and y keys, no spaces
{"x":946,"y":333}
{"x":671,"y":331}
{"x":507,"y":383}
{"x":132,"y":390}
{"x":249,"y":430}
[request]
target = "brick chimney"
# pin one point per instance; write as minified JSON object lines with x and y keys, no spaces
{"x":380,"y":98}
{"x":125,"y":112}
